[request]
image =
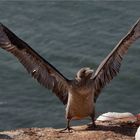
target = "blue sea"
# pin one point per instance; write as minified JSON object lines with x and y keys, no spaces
{"x":70,"y":35}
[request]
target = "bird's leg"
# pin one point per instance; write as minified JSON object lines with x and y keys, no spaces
{"x":92,"y":125}
{"x":67,"y":127}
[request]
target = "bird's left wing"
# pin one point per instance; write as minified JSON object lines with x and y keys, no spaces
{"x":110,"y":66}
{"x":38,"y":67}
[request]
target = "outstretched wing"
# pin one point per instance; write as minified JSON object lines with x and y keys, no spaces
{"x":110,"y":66}
{"x":38,"y":67}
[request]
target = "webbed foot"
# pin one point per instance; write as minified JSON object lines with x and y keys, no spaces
{"x":67,"y":129}
{"x":91,"y":126}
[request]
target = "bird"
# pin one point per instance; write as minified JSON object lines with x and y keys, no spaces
{"x":79,"y":94}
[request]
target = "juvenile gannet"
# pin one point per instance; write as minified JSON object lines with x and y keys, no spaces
{"x":80,"y":94}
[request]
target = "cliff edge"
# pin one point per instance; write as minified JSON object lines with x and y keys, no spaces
{"x":104,"y":131}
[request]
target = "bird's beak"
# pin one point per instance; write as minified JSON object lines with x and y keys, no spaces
{"x":90,"y":73}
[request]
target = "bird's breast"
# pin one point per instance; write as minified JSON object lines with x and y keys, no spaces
{"x":79,"y":105}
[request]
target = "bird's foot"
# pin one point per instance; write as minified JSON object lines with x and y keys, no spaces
{"x":67,"y":129}
{"x":91,"y":126}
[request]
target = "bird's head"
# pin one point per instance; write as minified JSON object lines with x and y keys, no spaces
{"x":84,"y":73}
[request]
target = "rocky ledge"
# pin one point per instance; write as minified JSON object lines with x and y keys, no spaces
{"x":110,"y":126}
{"x":104,"y":131}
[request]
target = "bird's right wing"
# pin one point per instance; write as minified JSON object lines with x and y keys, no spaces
{"x":110,"y":66}
{"x":38,"y":67}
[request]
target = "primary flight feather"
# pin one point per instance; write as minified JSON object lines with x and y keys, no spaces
{"x":81,"y":93}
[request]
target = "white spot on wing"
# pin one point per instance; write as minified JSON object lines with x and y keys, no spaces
{"x":34,"y":71}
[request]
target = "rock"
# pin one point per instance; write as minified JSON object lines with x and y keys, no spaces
{"x":137,"y":135}
{"x":138,"y":118}
{"x":117,"y":117}
{"x":104,"y":131}
{"x":110,"y":126}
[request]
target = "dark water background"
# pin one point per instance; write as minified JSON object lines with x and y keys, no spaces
{"x":70,"y":35}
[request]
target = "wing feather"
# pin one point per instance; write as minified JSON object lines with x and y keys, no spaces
{"x":38,"y":67}
{"x":110,"y":66}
